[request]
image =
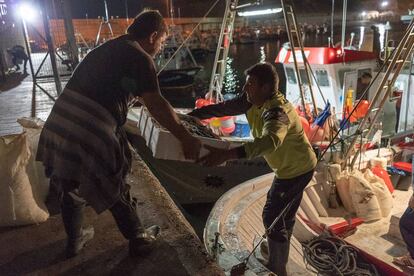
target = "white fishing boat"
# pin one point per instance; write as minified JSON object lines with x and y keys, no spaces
{"x":187,"y":182}
{"x":236,"y":217}
{"x":333,"y":202}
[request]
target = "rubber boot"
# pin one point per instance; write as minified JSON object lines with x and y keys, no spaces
{"x":144,"y":242}
{"x":278,"y":256}
{"x":74,"y":246}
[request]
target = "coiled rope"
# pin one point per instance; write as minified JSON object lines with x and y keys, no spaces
{"x":330,"y":255}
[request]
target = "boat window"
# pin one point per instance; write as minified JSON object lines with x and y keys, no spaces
{"x":363,"y":71}
{"x":341,"y":74}
{"x":303,"y":76}
{"x":322,"y":77}
{"x":290,"y":74}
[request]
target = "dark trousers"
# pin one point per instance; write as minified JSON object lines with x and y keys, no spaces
{"x":407,"y":229}
{"x":73,"y":205}
{"x":281,"y":193}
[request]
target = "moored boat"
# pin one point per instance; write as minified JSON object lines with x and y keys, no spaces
{"x":237,"y":218}
{"x":191,"y":183}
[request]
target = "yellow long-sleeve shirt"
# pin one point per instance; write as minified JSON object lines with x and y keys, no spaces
{"x":277,"y":131}
{"x":279,"y":138}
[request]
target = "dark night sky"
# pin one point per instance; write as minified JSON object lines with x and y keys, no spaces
{"x":197,"y":8}
{"x":95,"y":8}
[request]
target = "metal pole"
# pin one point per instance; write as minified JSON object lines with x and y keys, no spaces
{"x":126,"y":10}
{"x":410,"y":71}
{"x":293,"y":52}
{"x":344,"y":8}
{"x":332,"y":23}
{"x":50,"y":47}
{"x":172,"y":12}
{"x":106,"y":12}
{"x":70,"y":33}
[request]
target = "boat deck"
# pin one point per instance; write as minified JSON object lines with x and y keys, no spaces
{"x":376,"y":238}
{"x":237,"y":217}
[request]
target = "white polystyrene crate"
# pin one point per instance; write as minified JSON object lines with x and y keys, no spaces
{"x":142,"y":120}
{"x":149,"y":129}
{"x":164,"y":145}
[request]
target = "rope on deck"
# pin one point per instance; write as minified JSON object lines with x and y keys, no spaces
{"x":330,"y":255}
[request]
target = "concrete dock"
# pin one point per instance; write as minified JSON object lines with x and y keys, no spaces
{"x":39,"y":249}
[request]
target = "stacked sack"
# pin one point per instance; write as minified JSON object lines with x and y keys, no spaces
{"x":23,"y":185}
{"x":365,"y":194}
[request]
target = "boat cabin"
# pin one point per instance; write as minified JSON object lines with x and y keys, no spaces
{"x":332,"y":67}
{"x":336,"y":71}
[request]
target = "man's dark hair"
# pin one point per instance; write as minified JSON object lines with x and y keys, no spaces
{"x":265,"y":73}
{"x":147,"y":22}
{"x":366,"y":75}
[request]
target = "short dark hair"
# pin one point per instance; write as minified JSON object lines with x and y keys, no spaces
{"x":147,"y":22}
{"x":366,"y":75}
{"x":265,"y":74}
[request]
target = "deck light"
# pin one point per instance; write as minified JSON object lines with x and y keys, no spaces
{"x":384,"y":4}
{"x":259,"y":12}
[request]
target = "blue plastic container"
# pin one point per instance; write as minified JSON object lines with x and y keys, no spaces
{"x":242,"y":129}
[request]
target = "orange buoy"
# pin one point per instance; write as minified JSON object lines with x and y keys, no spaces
{"x":362,"y":109}
{"x":316,"y":134}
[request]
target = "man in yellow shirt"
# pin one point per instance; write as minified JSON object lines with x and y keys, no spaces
{"x":280,"y":139}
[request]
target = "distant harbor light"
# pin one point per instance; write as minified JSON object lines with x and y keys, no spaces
{"x":259,"y":12}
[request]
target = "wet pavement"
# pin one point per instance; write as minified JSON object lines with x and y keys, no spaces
{"x":19,"y":99}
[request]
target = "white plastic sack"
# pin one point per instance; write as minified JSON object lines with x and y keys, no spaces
{"x":319,"y":201}
{"x":343,"y":188}
{"x":363,"y":197}
{"x":35,"y":170}
{"x":18,"y":203}
{"x":381,"y":191}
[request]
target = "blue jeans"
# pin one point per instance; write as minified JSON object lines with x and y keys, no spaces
{"x":407,"y":229}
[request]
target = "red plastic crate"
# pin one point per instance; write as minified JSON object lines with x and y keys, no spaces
{"x":404,"y":166}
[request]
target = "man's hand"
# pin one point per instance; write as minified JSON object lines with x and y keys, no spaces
{"x":216,"y":156}
{"x":411,"y":202}
{"x":163,"y":112}
{"x":191,"y":148}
